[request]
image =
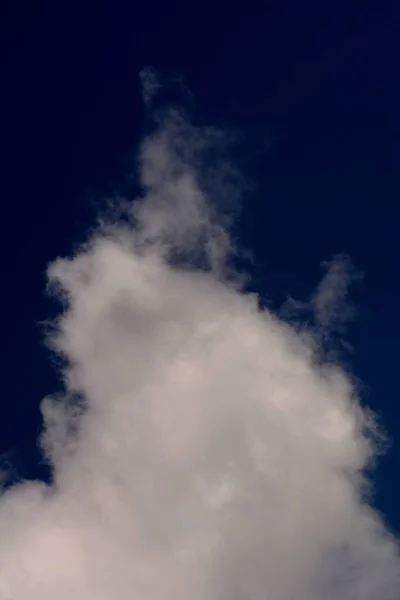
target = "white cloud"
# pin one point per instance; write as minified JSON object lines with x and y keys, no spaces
{"x":213,"y":458}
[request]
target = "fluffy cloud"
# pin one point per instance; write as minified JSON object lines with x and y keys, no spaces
{"x":200,"y":450}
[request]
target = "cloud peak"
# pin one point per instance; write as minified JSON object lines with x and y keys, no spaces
{"x":208,"y":455}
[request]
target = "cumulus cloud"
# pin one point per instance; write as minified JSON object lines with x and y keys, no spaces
{"x":199,"y":449}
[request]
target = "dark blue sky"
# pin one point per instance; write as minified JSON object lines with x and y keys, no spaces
{"x":313,"y":86}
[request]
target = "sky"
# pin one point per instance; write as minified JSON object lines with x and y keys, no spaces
{"x":200,"y":307}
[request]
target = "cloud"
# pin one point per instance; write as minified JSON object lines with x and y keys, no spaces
{"x":331,"y":307}
{"x":150,"y":83}
{"x":199,"y":450}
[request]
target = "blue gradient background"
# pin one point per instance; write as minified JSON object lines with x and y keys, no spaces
{"x":315,"y":88}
